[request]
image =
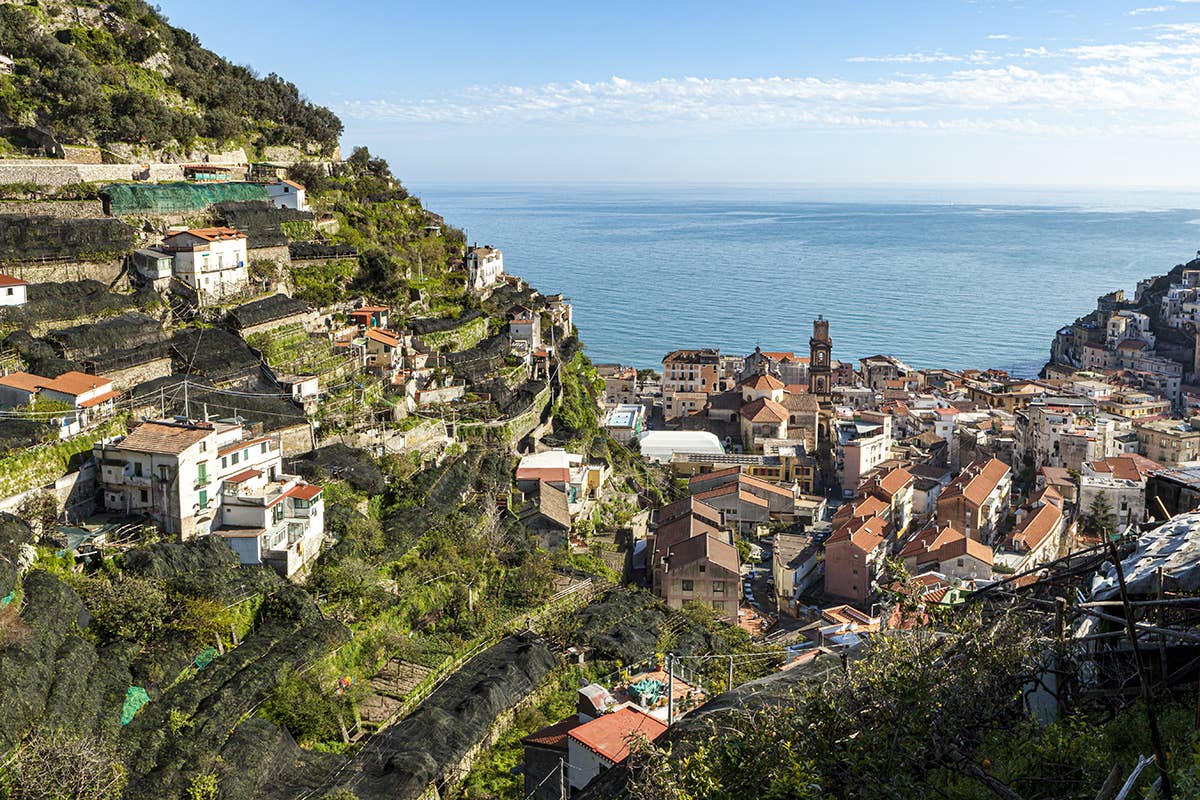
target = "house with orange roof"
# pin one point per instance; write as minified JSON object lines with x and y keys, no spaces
{"x":1121,"y":481}
{"x":383,"y":350}
{"x":13,"y":291}
{"x":1038,"y":534}
{"x":369,"y":316}
{"x":977,"y":500}
{"x":949,"y":551}
{"x":212,"y":261}
{"x":88,"y":398}
{"x":896,"y":488}
{"x":605,"y":741}
{"x":853,"y":559}
{"x":286,"y":194}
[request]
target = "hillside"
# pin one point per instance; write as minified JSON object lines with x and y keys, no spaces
{"x":120,"y":76}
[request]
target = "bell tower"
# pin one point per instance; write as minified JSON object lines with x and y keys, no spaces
{"x":820,"y":368}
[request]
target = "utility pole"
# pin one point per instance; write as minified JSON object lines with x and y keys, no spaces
{"x":562,"y":779}
{"x":729,"y":686}
{"x":670,"y":689}
{"x":187,"y":406}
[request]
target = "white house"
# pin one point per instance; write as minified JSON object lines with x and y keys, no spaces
{"x":524,"y":329}
{"x":624,"y":423}
{"x":210,"y":260}
{"x":199,"y":478}
{"x":485,"y":266}
{"x":89,"y":397}
{"x":153,"y":264}
{"x":286,"y":194}
{"x":12,"y":291}
{"x":605,"y":741}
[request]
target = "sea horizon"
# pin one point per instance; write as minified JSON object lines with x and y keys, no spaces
{"x":953,"y":277}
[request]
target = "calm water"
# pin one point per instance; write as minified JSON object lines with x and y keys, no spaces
{"x":948,"y":278}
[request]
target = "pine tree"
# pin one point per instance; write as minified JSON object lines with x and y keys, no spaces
{"x":1101,"y":520}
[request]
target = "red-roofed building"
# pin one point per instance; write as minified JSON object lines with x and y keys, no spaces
{"x":1038,"y":535}
{"x":1121,"y":481}
{"x":894,"y":487}
{"x":977,"y":500}
{"x":210,"y":260}
{"x":604,"y":742}
{"x":949,"y":551}
{"x":853,"y":557}
{"x":90,"y":398}
{"x":13,"y":291}
{"x":287,"y":194}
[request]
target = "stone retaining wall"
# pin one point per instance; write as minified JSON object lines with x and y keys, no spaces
{"x":58,"y":173}
{"x":61,"y":209}
{"x":64,"y":271}
{"x":279,"y":255}
{"x":129,"y":377}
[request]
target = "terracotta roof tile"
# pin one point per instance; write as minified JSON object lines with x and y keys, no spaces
{"x":162,"y":437}
{"x":608,"y":735}
{"x":765,"y":410}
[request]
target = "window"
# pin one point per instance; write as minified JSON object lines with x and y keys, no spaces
{"x":224,"y":462}
{"x":718,"y":587}
{"x":202,"y":473}
{"x":203,"y":447}
{"x":702,"y":567}
{"x":137,"y":469}
{"x":145,"y":496}
{"x":203,"y":499}
{"x":9,"y":291}
{"x":264,"y":448}
{"x":277,"y":512}
{"x":960,"y":562}
{"x":235,"y":458}
{"x":718,"y":605}
{"x":687,"y":586}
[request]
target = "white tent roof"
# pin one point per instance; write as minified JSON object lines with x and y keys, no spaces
{"x":661,"y":445}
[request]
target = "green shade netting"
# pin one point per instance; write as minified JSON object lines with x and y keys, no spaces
{"x":135,"y":698}
{"x":205,"y":658}
{"x":165,"y":198}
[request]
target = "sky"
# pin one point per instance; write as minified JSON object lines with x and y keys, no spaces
{"x":963,"y":92}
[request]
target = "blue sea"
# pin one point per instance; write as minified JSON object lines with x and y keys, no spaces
{"x":951,"y":278}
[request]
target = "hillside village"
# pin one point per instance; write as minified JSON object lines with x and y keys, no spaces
{"x":304,"y":495}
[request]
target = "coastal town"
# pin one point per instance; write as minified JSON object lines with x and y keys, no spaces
{"x":305,"y":494}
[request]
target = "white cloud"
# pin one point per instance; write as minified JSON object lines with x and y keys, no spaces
{"x":906,"y":58}
{"x":1159,"y":8}
{"x":1147,"y":88}
{"x":1000,"y":36}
